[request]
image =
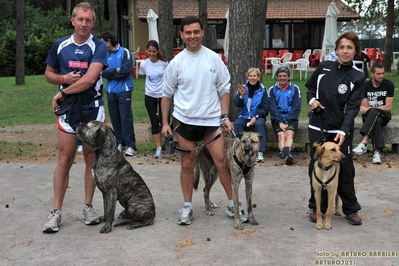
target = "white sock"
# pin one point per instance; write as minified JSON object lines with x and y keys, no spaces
{"x":231,"y":203}
{"x":188,"y":204}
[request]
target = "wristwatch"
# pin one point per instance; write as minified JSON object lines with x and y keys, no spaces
{"x":256,"y":116}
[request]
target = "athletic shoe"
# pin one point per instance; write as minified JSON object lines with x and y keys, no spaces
{"x":121,"y":148}
{"x":54,"y":221}
{"x":185,"y":215}
{"x":130,"y":152}
{"x":260,"y":157}
{"x":90,"y":216}
{"x":80,"y":149}
{"x":281,"y":155}
{"x":158,"y":153}
{"x":289,"y":159}
{"x":360,"y":149}
{"x":230,"y":212}
{"x":354,"y":218}
{"x":312,"y":215}
{"x":376,"y":158}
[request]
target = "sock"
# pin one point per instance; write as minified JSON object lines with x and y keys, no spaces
{"x":188,"y":204}
{"x":231,"y":203}
{"x":56,"y":211}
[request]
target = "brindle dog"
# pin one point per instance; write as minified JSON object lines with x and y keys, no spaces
{"x":241,"y":153}
{"x":116,"y":179}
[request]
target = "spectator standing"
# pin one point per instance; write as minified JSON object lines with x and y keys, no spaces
{"x":199,"y":83}
{"x":154,"y":69}
{"x":362,"y":56}
{"x":285,"y":107}
{"x":252,"y":98}
{"x":375,"y":109}
{"x":74,"y":63}
{"x":335,"y":91}
{"x":119,"y":93}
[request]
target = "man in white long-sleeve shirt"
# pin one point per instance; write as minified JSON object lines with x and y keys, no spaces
{"x":199,"y":83}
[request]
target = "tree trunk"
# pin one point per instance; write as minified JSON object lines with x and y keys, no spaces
{"x":20,"y":47}
{"x":247,"y":31}
{"x":165,"y":22}
{"x":203,"y":15}
{"x":69,"y":8}
{"x":389,"y":35}
{"x":113,"y":18}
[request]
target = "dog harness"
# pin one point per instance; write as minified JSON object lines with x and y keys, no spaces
{"x":324,"y":184}
{"x":245,"y":168}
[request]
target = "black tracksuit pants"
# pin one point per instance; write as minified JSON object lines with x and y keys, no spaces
{"x":346,"y":186}
{"x":373,"y":122}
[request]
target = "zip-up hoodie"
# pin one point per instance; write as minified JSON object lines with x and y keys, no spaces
{"x":340,"y":89}
{"x":122,"y":80}
{"x":285,"y":105}
{"x":258,"y":105}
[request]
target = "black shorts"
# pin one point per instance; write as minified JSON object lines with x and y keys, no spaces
{"x":93,"y":113}
{"x":192,"y":132}
{"x":293,"y":125}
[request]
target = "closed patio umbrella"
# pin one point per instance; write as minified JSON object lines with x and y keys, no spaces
{"x":330,"y":30}
{"x":226,"y":36}
{"x":152,"y":25}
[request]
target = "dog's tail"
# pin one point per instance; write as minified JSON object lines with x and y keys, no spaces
{"x":197,"y":174}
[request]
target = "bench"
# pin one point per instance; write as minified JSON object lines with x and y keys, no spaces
{"x":390,"y":132}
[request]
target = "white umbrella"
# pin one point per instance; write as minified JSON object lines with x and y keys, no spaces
{"x":226,"y":36}
{"x":152,"y":25}
{"x":330,"y":30}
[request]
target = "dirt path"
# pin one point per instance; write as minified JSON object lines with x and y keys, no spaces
{"x":45,"y":138}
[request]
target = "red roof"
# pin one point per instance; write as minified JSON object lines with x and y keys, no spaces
{"x":276,"y":9}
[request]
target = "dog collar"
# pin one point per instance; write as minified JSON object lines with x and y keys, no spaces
{"x":323,"y":184}
{"x":323,"y":167}
{"x":245,"y":168}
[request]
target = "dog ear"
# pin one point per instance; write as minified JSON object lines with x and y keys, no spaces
{"x":239,"y":135}
{"x":318,"y":153}
{"x":100,"y":138}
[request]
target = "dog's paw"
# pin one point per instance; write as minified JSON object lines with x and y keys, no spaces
{"x":319,"y":226}
{"x":105,"y":229}
{"x":239,"y":226}
{"x":209,"y":212}
{"x":253,"y":221}
{"x":213,"y":205}
{"x":338,"y":213}
{"x":328,"y":227}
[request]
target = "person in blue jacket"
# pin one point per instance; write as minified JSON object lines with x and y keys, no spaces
{"x":252,"y":98}
{"x":119,"y":93}
{"x":285,"y":107}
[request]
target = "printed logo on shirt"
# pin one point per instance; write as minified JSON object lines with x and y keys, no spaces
{"x":78,"y":64}
{"x":78,"y":51}
{"x":342,"y":88}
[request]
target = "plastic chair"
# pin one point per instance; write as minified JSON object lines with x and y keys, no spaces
{"x":314,"y":59}
{"x":267,"y":54}
{"x":297,"y":54}
{"x":301,"y":65}
{"x":315,"y":51}
{"x":142,"y":55}
{"x":275,"y":65}
{"x":306,"y":54}
{"x":282,"y":52}
{"x":286,"y":57}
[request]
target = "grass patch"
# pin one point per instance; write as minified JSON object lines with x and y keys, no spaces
{"x":19,"y":148}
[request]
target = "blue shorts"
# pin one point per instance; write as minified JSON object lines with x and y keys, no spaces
{"x":89,"y":114}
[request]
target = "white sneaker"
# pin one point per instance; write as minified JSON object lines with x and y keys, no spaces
{"x":360,"y":149}
{"x":158,"y":153}
{"x":91,"y":218}
{"x":185,"y":215}
{"x":260,"y":157}
{"x":80,"y":149}
{"x":376,"y":158}
{"x":120,"y":147}
{"x":54,"y":221}
{"x":230,"y":212}
{"x":130,"y":152}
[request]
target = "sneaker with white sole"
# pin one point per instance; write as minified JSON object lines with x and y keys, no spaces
{"x":376,"y":158}
{"x":90,"y":216}
{"x":121,"y":148}
{"x":185,"y":215}
{"x":80,"y":148}
{"x":54,"y":221}
{"x":230,"y":212}
{"x":360,"y":149}
{"x":158,"y":153}
{"x":260,"y":157}
{"x":130,"y":152}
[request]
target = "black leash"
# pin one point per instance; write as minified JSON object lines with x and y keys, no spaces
{"x":324,"y":184}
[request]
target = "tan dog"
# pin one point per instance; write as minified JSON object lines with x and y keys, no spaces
{"x":325,"y":176}
{"x":241,"y":154}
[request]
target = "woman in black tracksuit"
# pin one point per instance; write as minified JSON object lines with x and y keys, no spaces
{"x":335,"y":91}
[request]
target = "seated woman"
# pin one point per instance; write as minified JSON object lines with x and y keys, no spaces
{"x":285,"y":107}
{"x":252,"y":98}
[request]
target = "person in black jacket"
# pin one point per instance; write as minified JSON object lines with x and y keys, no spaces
{"x":335,"y":91}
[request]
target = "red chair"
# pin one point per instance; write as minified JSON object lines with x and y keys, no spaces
{"x":297,"y":54}
{"x":372,"y":54}
{"x":175,"y":52}
{"x":142,"y":55}
{"x":314,"y":59}
{"x":224,"y":59}
{"x":282,"y":52}
{"x":268,"y":54}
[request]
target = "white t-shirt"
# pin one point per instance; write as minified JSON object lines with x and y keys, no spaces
{"x":197,"y":81}
{"x":154,"y":77}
